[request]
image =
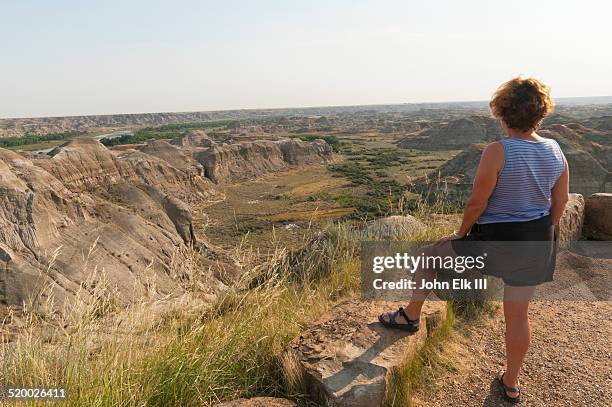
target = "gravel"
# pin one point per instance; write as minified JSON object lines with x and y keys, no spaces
{"x":569,"y":362}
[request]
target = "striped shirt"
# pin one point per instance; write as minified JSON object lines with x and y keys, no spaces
{"x":524,"y":185}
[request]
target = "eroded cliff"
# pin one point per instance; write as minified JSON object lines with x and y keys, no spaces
{"x":84,"y":213}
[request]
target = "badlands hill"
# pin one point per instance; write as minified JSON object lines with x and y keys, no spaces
{"x":455,"y":134}
{"x":125,"y":213}
{"x":588,"y":152}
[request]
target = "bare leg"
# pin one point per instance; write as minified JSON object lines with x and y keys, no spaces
{"x":413,"y":309}
{"x":518,"y":331}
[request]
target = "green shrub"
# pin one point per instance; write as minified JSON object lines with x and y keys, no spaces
{"x":28,"y":139}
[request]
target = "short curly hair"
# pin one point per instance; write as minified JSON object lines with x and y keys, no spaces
{"x":522,"y":103}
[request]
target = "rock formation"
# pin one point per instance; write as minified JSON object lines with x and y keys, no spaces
{"x":234,"y":162}
{"x":84,"y":210}
{"x":453,"y":180}
{"x":348,"y":357}
{"x":598,"y":219}
{"x":455,"y":134}
{"x":589,"y":163}
{"x":570,"y":225}
{"x":193,"y":138}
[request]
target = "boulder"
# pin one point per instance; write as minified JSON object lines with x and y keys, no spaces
{"x":395,"y":228}
{"x":347,"y":358}
{"x":259,"y":402}
{"x":598,"y":217}
{"x":570,"y":226}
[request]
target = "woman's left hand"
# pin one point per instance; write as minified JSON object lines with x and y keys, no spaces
{"x":445,"y":239}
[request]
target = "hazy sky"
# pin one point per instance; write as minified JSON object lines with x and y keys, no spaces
{"x":92,"y":57}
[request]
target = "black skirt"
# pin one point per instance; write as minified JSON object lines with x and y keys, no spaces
{"x":520,"y":253}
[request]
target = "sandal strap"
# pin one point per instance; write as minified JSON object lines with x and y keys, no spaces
{"x":392,"y":316}
{"x":412,"y":322}
{"x":509,"y":388}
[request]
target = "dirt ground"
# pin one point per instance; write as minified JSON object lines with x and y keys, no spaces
{"x":569,"y":362}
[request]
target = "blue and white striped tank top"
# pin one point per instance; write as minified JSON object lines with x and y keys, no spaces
{"x":523,"y":190}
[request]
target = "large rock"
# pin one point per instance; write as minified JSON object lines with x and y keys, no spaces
{"x":259,"y":402}
{"x":395,"y":228}
{"x":598,"y":217}
{"x":347,"y":358}
{"x":570,"y":225}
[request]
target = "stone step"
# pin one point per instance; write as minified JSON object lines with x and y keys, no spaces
{"x":346,"y":359}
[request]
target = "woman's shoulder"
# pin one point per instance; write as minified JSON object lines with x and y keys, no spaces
{"x":493,"y":153}
{"x":494,"y":148}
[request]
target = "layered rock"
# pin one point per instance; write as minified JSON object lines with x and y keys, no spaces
{"x":235,"y":162}
{"x":347,"y":358}
{"x":84,"y":213}
{"x":298,"y":152}
{"x":598,"y":219}
{"x":83,"y":210}
{"x":173,"y":156}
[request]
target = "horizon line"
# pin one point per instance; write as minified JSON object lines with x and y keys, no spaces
{"x":252,"y":109}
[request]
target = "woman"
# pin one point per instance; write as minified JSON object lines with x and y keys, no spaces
{"x":519,"y":194}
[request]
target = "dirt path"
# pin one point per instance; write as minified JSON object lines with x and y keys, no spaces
{"x":569,"y":362}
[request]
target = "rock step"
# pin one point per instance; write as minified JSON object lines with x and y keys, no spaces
{"x":346,"y":359}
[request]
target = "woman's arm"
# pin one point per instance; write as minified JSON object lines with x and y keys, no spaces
{"x":491,"y":163}
{"x":560,"y":195}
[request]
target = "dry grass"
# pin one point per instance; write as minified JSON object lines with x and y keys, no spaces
{"x":181,"y":351}
{"x":309,"y":215}
{"x":187,"y":351}
{"x":316,"y":186}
